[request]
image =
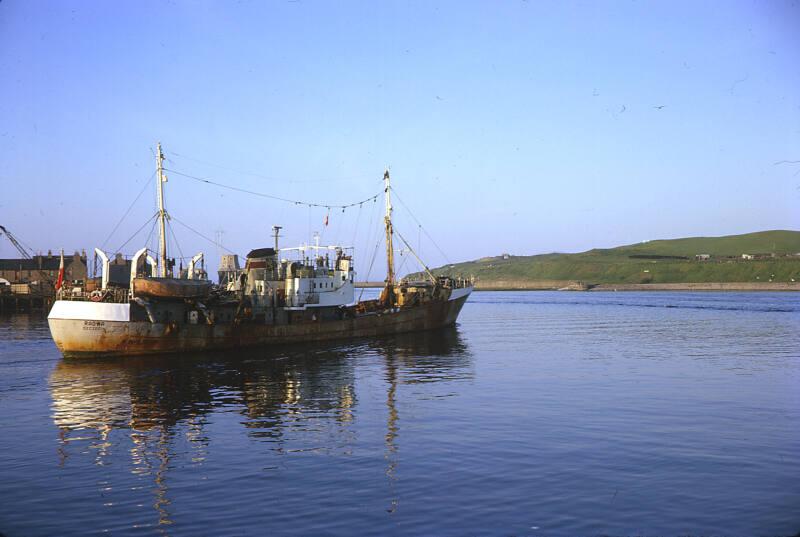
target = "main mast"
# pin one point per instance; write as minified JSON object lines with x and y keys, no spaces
{"x":388,"y":222}
{"x":162,"y":214}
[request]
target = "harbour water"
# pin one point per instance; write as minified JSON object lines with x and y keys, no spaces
{"x":540,"y":413}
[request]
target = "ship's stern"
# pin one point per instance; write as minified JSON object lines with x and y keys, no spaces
{"x":83,"y":328}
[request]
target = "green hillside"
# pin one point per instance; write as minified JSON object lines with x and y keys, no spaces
{"x":659,"y":261}
{"x":763,"y":242}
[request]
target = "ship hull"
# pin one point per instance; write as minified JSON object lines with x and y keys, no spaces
{"x":112,"y":335}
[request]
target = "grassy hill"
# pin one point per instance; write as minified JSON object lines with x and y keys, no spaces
{"x":779,"y":242}
{"x":659,"y":261}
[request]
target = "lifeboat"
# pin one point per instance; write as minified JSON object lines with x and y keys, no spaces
{"x":171,"y":288}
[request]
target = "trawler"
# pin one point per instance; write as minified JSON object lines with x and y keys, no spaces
{"x":280,"y":296}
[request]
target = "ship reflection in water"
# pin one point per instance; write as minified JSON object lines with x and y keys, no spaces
{"x":167,"y":412}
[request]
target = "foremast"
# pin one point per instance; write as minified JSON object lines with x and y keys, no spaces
{"x":162,"y":214}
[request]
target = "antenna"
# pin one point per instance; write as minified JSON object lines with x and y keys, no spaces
{"x":218,"y":234}
{"x":276,"y":234}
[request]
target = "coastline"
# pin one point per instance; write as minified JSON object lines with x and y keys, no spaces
{"x":705,"y":286}
{"x":566,"y":285}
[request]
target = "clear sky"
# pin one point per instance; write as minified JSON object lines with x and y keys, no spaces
{"x":520,"y":126}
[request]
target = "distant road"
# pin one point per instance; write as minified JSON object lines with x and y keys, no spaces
{"x":367,"y":285}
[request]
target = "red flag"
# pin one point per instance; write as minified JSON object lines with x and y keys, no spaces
{"x":326,"y":219}
{"x":60,"y":280}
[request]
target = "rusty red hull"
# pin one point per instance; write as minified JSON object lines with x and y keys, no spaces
{"x":76,"y":337}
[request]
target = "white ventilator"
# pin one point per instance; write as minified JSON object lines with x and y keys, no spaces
{"x":193,"y":263}
{"x":106,"y":267}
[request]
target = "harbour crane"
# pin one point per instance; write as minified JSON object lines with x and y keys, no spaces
{"x":23,"y":251}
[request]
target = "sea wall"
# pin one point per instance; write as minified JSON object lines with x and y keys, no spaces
{"x":528,"y":285}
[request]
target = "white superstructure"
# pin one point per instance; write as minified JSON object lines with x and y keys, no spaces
{"x":319,"y":283}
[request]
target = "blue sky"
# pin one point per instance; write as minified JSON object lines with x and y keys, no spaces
{"x":524,"y":126}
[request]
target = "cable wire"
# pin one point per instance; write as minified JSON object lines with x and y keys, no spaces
{"x":374,"y":255}
{"x":136,"y":233}
{"x":128,"y":211}
{"x":242,"y":172}
{"x":270,"y":196}
{"x":203,"y":236}
{"x":175,"y":240}
{"x":150,"y":236}
{"x":421,"y":226}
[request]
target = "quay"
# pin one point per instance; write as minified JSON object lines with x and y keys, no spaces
{"x":21,"y":303}
{"x":28,"y":283}
{"x":370,"y":285}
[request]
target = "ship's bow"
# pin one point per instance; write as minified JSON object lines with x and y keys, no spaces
{"x":455,"y":302}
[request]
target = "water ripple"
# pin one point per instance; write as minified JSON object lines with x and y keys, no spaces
{"x":540,"y":414}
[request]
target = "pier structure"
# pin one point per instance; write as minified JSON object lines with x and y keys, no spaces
{"x":25,"y":303}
